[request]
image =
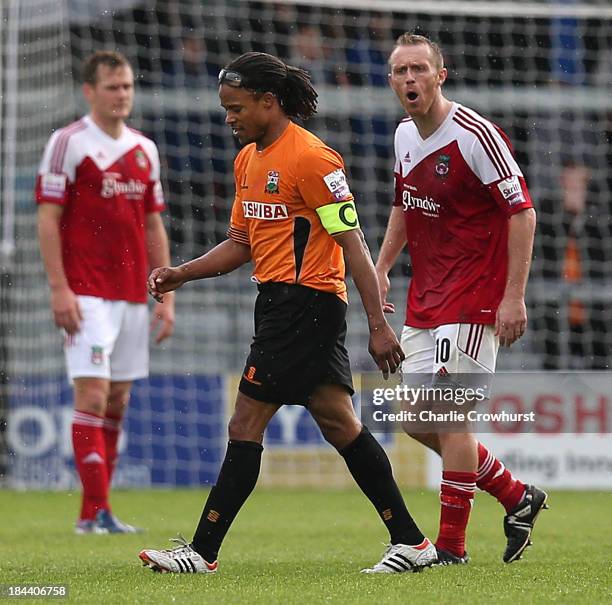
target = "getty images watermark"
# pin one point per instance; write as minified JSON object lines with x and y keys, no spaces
{"x":438,"y":405}
{"x":542,"y":402}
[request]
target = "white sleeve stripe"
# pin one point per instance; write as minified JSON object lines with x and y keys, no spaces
{"x":491,"y":130}
{"x":59,"y":149}
{"x":484,"y":146}
{"x":493,"y":135}
{"x":491,"y":145}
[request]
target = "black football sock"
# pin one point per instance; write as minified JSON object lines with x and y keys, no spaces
{"x":237,"y":478}
{"x":371,"y":469}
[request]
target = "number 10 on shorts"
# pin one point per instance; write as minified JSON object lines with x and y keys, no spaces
{"x":442,"y":352}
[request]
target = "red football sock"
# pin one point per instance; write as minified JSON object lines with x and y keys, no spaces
{"x":112,"y":432}
{"x":90,"y":461}
{"x":456,"y":497}
{"x":497,"y":480}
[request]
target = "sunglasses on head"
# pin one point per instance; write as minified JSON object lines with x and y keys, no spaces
{"x":231,"y":78}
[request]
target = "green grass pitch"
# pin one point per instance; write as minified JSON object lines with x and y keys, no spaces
{"x":299,"y":546}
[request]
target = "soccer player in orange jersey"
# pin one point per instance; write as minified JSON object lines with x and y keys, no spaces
{"x":463,"y":209}
{"x":294,"y":219}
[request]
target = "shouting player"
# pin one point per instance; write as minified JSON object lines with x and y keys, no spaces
{"x":462,"y":207}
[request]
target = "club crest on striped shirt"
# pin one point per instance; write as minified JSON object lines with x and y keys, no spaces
{"x":273,"y":182}
{"x":442,"y":166}
{"x":141,"y":160}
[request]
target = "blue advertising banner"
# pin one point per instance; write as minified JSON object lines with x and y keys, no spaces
{"x":175,"y":433}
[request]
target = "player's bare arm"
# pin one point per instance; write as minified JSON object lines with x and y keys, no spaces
{"x":64,"y":303}
{"x":393,"y":244}
{"x":511,"y":319}
{"x":223,"y":258}
{"x":384,"y":346}
{"x":163,"y":316}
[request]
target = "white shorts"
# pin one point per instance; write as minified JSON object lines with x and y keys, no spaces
{"x":113,"y":341}
{"x":449,"y":349}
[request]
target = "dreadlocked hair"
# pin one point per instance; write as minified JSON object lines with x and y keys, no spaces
{"x":291,"y":85}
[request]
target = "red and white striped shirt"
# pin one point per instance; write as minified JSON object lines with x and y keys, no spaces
{"x":107,"y":186}
{"x":457,"y":189}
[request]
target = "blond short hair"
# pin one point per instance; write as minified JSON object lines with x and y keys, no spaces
{"x":410,"y":39}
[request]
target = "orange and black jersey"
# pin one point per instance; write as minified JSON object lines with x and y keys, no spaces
{"x":278,"y":191}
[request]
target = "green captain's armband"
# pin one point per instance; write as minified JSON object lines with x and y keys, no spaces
{"x":338,"y":217}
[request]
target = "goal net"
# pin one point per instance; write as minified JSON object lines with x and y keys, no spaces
{"x":542,"y":71}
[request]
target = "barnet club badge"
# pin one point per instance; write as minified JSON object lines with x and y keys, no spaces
{"x":273,"y":180}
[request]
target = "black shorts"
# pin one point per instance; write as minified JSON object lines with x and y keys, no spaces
{"x":298,"y":345}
